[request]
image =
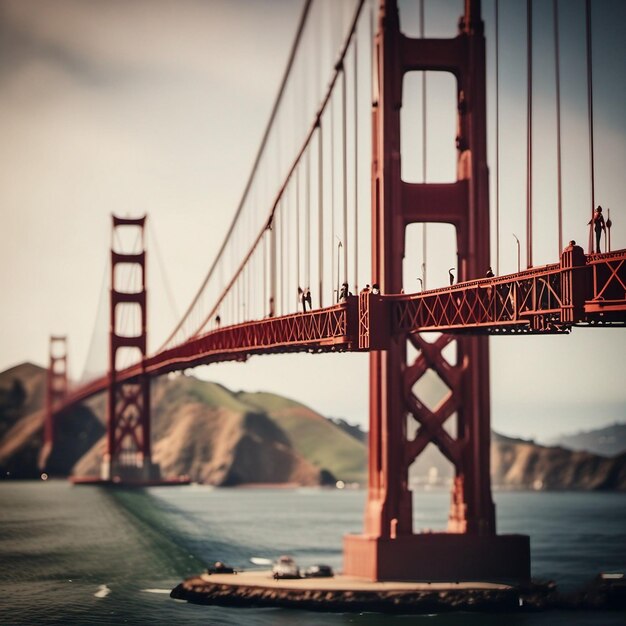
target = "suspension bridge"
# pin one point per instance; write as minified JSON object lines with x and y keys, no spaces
{"x":314,"y":262}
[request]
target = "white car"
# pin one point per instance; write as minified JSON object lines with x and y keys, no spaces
{"x":285,"y":567}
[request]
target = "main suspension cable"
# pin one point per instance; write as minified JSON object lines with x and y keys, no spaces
{"x":280,"y":194}
{"x":257,"y":160}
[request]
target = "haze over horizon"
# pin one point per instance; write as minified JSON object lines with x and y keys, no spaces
{"x":136,"y":107}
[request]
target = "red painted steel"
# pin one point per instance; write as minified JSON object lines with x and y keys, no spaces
{"x":325,"y":330}
{"x":608,"y":286}
{"x":550,"y":294}
{"x":580,"y":290}
{"x":56,"y":393}
{"x":393,"y":396}
{"x":128,"y":453}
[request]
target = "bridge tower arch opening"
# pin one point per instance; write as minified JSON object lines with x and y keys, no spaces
{"x":470,"y":549}
{"x":128,"y":456}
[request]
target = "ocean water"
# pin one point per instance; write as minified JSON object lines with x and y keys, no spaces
{"x":87,"y":555}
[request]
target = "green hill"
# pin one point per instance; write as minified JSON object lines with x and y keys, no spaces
{"x":317,"y":439}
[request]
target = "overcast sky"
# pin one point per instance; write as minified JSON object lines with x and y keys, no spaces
{"x":159,"y":106}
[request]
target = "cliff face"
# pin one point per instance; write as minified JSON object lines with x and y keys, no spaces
{"x":222,"y":447}
{"x":522,"y":464}
{"x":608,"y":441}
{"x":519,"y":464}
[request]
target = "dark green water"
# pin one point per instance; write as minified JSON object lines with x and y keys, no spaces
{"x":84,"y":555}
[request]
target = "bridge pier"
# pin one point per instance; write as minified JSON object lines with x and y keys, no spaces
{"x":438,"y":557}
{"x":388,"y":548}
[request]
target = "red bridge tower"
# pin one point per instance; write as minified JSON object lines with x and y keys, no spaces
{"x":56,"y":390}
{"x":128,"y":454}
{"x":389,"y":549}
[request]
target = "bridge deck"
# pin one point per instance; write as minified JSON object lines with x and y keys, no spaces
{"x":589,"y":291}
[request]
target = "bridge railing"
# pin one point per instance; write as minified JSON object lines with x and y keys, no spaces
{"x":525,"y":302}
{"x":322,"y":329}
{"x":578,"y":290}
{"x":608,"y":283}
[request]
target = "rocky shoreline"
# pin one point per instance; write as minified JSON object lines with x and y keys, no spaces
{"x":341,"y":594}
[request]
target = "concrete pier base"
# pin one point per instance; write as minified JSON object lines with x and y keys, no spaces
{"x":439,"y":557}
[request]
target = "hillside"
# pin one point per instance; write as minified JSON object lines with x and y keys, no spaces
{"x":520,"y":464}
{"x":608,"y":441}
{"x":221,"y":437}
{"x":21,"y":393}
{"x":319,"y":440}
{"x":524,"y":464}
{"x":22,"y":421}
{"x":206,"y":431}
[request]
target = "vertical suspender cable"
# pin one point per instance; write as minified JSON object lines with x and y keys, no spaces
{"x":590,"y":115}
{"x":238,"y":300}
{"x":284,"y":261}
{"x":497,"y":23}
{"x":344,"y":141}
{"x":248,"y":293}
{"x":265,"y":255}
{"x":273,"y":269}
{"x":254,"y":283}
{"x":557,"y":77}
{"x":237,"y":287}
{"x":356,"y":167}
{"x":281,"y":258}
{"x":299,"y":284}
{"x":332,"y":193}
{"x":529,"y":135}
{"x":307,"y":179}
{"x":424,"y":155}
{"x":255,"y":167}
{"x":320,"y":212}
{"x":307,"y":238}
